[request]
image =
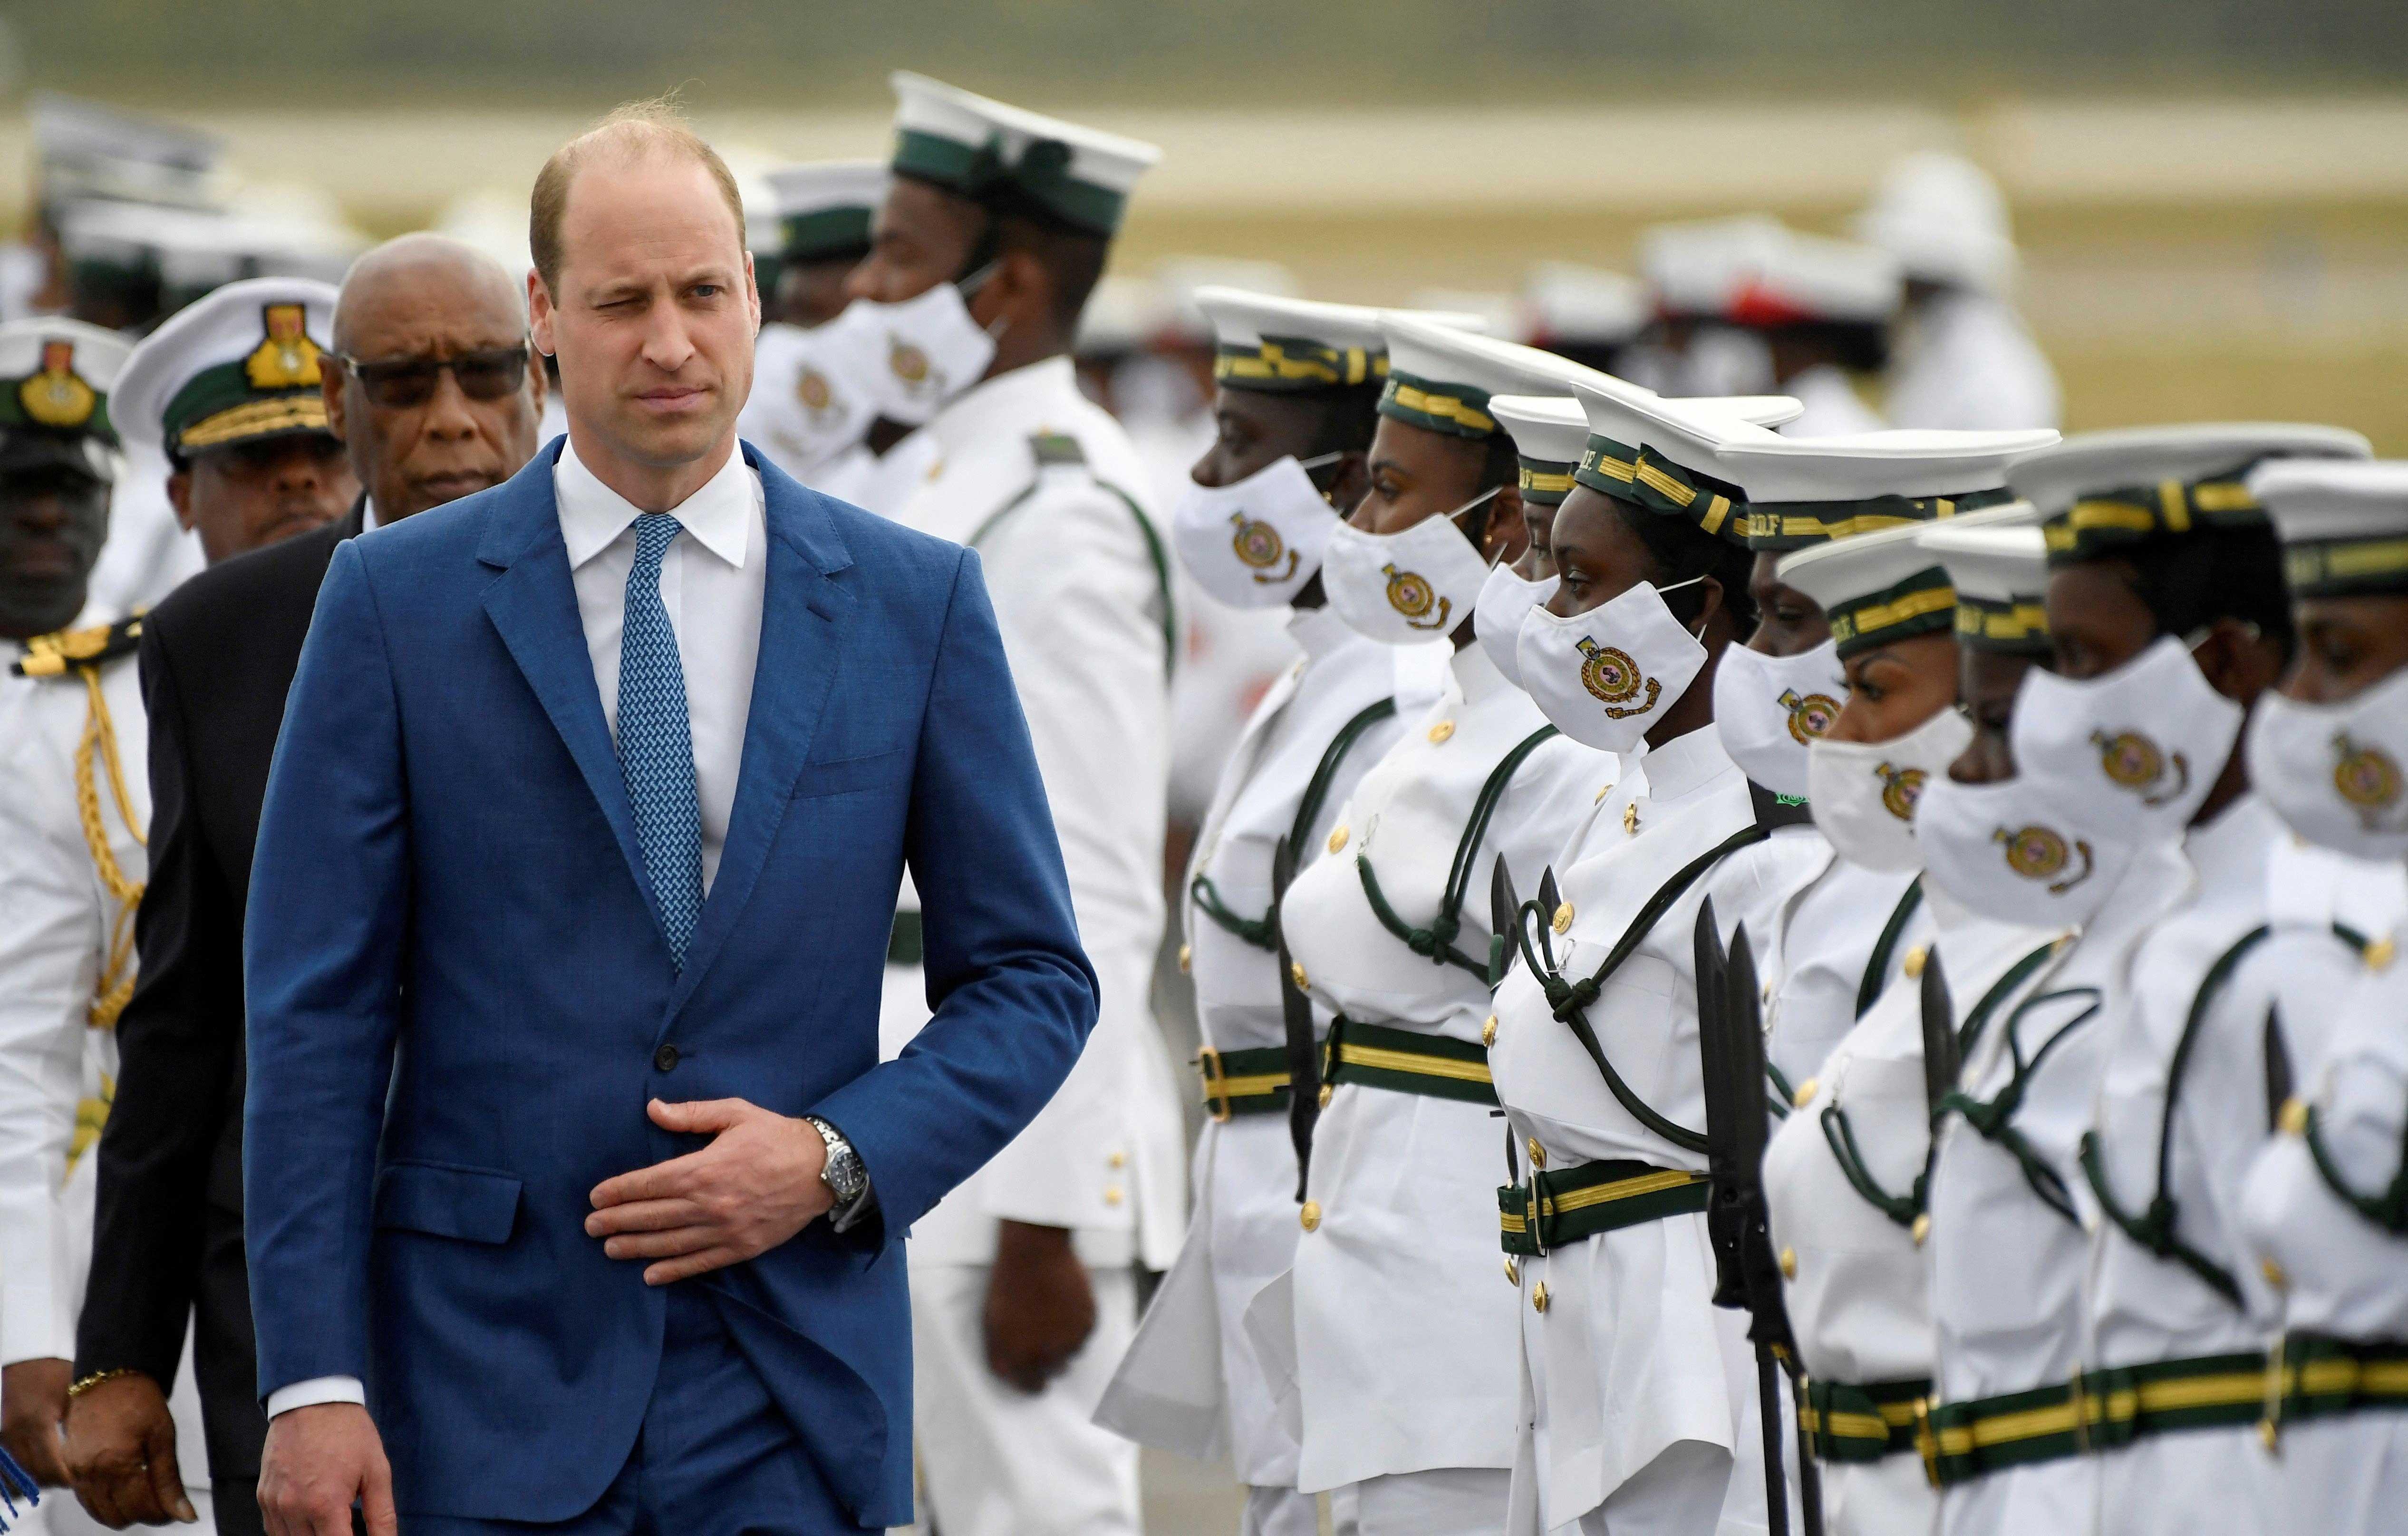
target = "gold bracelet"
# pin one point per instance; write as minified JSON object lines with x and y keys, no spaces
{"x":79,"y":1388}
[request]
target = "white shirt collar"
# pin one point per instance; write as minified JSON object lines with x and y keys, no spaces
{"x":592,"y":515}
{"x":1006,"y":403}
{"x":369,"y":521}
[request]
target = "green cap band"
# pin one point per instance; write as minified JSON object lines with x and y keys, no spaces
{"x":1776,"y":526}
{"x":2097,"y":526}
{"x":57,"y":400}
{"x":1286,"y":365}
{"x":1459,"y":411}
{"x":981,"y":172}
{"x":1647,"y":479}
{"x":829,"y":234}
{"x":2348,"y":567}
{"x":1546,"y":481}
{"x":2016,"y":628}
{"x":1923,"y":604}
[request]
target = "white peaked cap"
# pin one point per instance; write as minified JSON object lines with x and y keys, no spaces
{"x":1702,"y":266}
{"x":942,"y":130}
{"x":2318,"y":500}
{"x":1582,"y":305}
{"x":1554,"y":427}
{"x":817,"y":186}
{"x":1945,"y":221}
{"x":1841,"y":571}
{"x":1857,"y":467}
{"x":1183,"y":279}
{"x":259,"y":341}
{"x":1431,"y":351}
{"x":1809,"y":278}
{"x":1501,"y":314}
{"x":2054,"y":477}
{"x":1997,"y":561}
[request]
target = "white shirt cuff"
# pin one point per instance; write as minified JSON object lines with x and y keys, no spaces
{"x":317,"y":1389}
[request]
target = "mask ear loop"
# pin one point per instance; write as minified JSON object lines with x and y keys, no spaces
{"x":1489,"y":495}
{"x":1698,"y":633}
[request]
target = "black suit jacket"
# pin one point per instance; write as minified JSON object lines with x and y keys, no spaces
{"x":218,"y":657}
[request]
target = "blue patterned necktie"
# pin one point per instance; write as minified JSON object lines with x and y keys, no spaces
{"x":656,"y":742}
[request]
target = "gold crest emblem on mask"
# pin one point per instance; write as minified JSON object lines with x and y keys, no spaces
{"x":2133,"y":761}
{"x":287,"y":359}
{"x":1259,"y":547}
{"x":1901,"y":789}
{"x":814,"y":390}
{"x":2366,"y":777}
{"x":56,"y":396}
{"x":1412,"y":596}
{"x":2037,"y":853}
{"x":1614,"y":679}
{"x":908,"y":362}
{"x":1811,"y":715}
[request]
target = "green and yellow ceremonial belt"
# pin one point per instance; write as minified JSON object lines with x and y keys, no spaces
{"x":1578,"y":1203}
{"x":2314,"y":1376}
{"x":2099,"y":1410}
{"x":1407,"y":1061}
{"x":1868,"y":1422}
{"x":1240,"y":1083}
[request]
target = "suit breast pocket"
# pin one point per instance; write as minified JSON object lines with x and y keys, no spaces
{"x":445,"y":1201}
{"x":848,"y":775}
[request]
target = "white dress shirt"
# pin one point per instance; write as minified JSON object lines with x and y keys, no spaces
{"x":712,"y":583}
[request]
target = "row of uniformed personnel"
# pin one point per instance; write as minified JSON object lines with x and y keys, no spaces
{"x":1957,"y":729}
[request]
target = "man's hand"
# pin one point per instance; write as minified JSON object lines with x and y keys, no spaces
{"x":1039,"y":1308}
{"x":753,"y":1187}
{"x":317,"y":1460}
{"x":33,"y":1402}
{"x":121,"y":1455}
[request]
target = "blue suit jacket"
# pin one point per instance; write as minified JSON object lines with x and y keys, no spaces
{"x":460,"y":995}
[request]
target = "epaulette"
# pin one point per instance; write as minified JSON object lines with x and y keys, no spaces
{"x":52,"y":655}
{"x":1055,"y":449}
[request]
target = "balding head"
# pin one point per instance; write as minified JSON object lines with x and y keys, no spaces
{"x":637,"y":131}
{"x":419,"y":433}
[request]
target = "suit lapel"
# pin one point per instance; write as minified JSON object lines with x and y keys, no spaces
{"x":533,"y":604}
{"x":802,"y":633}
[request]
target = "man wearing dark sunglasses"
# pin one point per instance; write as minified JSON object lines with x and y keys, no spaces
{"x":416,"y":390}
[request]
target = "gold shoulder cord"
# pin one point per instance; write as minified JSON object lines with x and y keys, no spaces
{"x":115,"y":985}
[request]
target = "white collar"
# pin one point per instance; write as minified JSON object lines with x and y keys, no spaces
{"x":719,"y":514}
{"x":1318,"y":631}
{"x":369,"y":521}
{"x":1686,"y":763}
{"x":1006,"y":403}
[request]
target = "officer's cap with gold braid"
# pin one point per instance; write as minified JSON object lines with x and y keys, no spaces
{"x":1277,"y":345}
{"x":824,"y":207}
{"x":55,"y":377}
{"x":1551,"y":432}
{"x":1804,"y":491}
{"x":985,"y":151}
{"x":1440,"y":378}
{"x":1997,"y":563}
{"x":1658,"y":454}
{"x":1875,"y":588}
{"x":239,"y":365}
{"x":2103,"y":491}
{"x":2344,"y":526}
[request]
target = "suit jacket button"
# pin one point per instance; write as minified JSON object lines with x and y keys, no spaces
{"x":665,"y":1059}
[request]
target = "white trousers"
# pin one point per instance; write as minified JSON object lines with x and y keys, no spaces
{"x":1443,"y":1502}
{"x":1280,"y":1512}
{"x":997,"y":1461}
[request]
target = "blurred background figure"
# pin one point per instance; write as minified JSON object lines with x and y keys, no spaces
{"x":1963,"y":358}
{"x":1586,"y":313}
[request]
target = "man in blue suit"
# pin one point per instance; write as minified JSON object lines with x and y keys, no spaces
{"x":574,"y":1183}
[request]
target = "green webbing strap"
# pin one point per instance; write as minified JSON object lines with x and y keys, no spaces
{"x":2389,"y":1210}
{"x":2098,"y":1410}
{"x":1257,"y":930}
{"x":1153,"y":551}
{"x":1877,"y":968}
{"x":1993,"y":1120}
{"x":1436,"y":943}
{"x":2315,"y":1375}
{"x":1570,"y":1001}
{"x":1851,"y":1423}
{"x":1841,"y":1135}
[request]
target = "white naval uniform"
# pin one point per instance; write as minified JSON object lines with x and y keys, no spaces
{"x":2344,"y":1275}
{"x":1859,"y":1301}
{"x":1833,"y":407}
{"x":1192,"y":1382}
{"x":1404,"y":1351}
{"x":57,"y":1071}
{"x":1966,"y":363}
{"x":2145,"y":1309}
{"x":2007,"y":1271}
{"x":1076,"y":593}
{"x":1817,"y":946}
{"x":1631,"y":1363}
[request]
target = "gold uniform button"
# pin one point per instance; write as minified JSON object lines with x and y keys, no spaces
{"x":1539,"y":1296}
{"x":1601,"y":795}
{"x":1922,"y":1228}
{"x":1489,"y":1031}
{"x":1295,"y":973}
{"x":1440,"y":732}
{"x":2380,"y":954}
{"x":1337,"y":838}
{"x":1326,"y":1089}
{"x":1113,"y":1195}
{"x":1788,"y":1263}
{"x":1563,"y":920}
{"x":1118,"y":1159}
{"x":1914,"y":958}
{"x":2275,"y":1275}
{"x":1630,"y":818}
{"x":1512,"y":1272}
{"x":1187,"y":959}
{"x":1804,"y":1095}
{"x":1309,"y":1215}
{"x":2294,"y":1119}
{"x":1538,"y":1153}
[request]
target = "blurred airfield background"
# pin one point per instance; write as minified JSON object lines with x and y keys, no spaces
{"x":2211,"y":195}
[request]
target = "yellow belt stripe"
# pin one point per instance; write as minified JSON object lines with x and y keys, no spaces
{"x":1244,"y":1087}
{"x":1405,"y":1061}
{"x":1852,"y":1426}
{"x":1620,"y":1190}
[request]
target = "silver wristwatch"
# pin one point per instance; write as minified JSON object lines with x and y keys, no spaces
{"x":843,"y":1173}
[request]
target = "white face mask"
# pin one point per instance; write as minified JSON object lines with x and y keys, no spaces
{"x":816,"y":390}
{"x":1863,"y":796}
{"x":2009,"y":852}
{"x":1767,"y":708}
{"x":2334,"y":771}
{"x":1506,"y":599}
{"x":1254,"y":544}
{"x":1605,"y":675}
{"x":2142,"y":745}
{"x":1404,"y":588}
{"x":931,"y":350}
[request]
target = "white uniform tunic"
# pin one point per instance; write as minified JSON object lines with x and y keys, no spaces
{"x":1858,"y":1297}
{"x":2344,"y":1275}
{"x":1192,"y":1382}
{"x":148,"y":554}
{"x":1404,"y":1346}
{"x":2144,"y":1308}
{"x":2007,"y":1269}
{"x":1629,"y":1357}
{"x":1967,"y":363}
{"x":1816,"y":953}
